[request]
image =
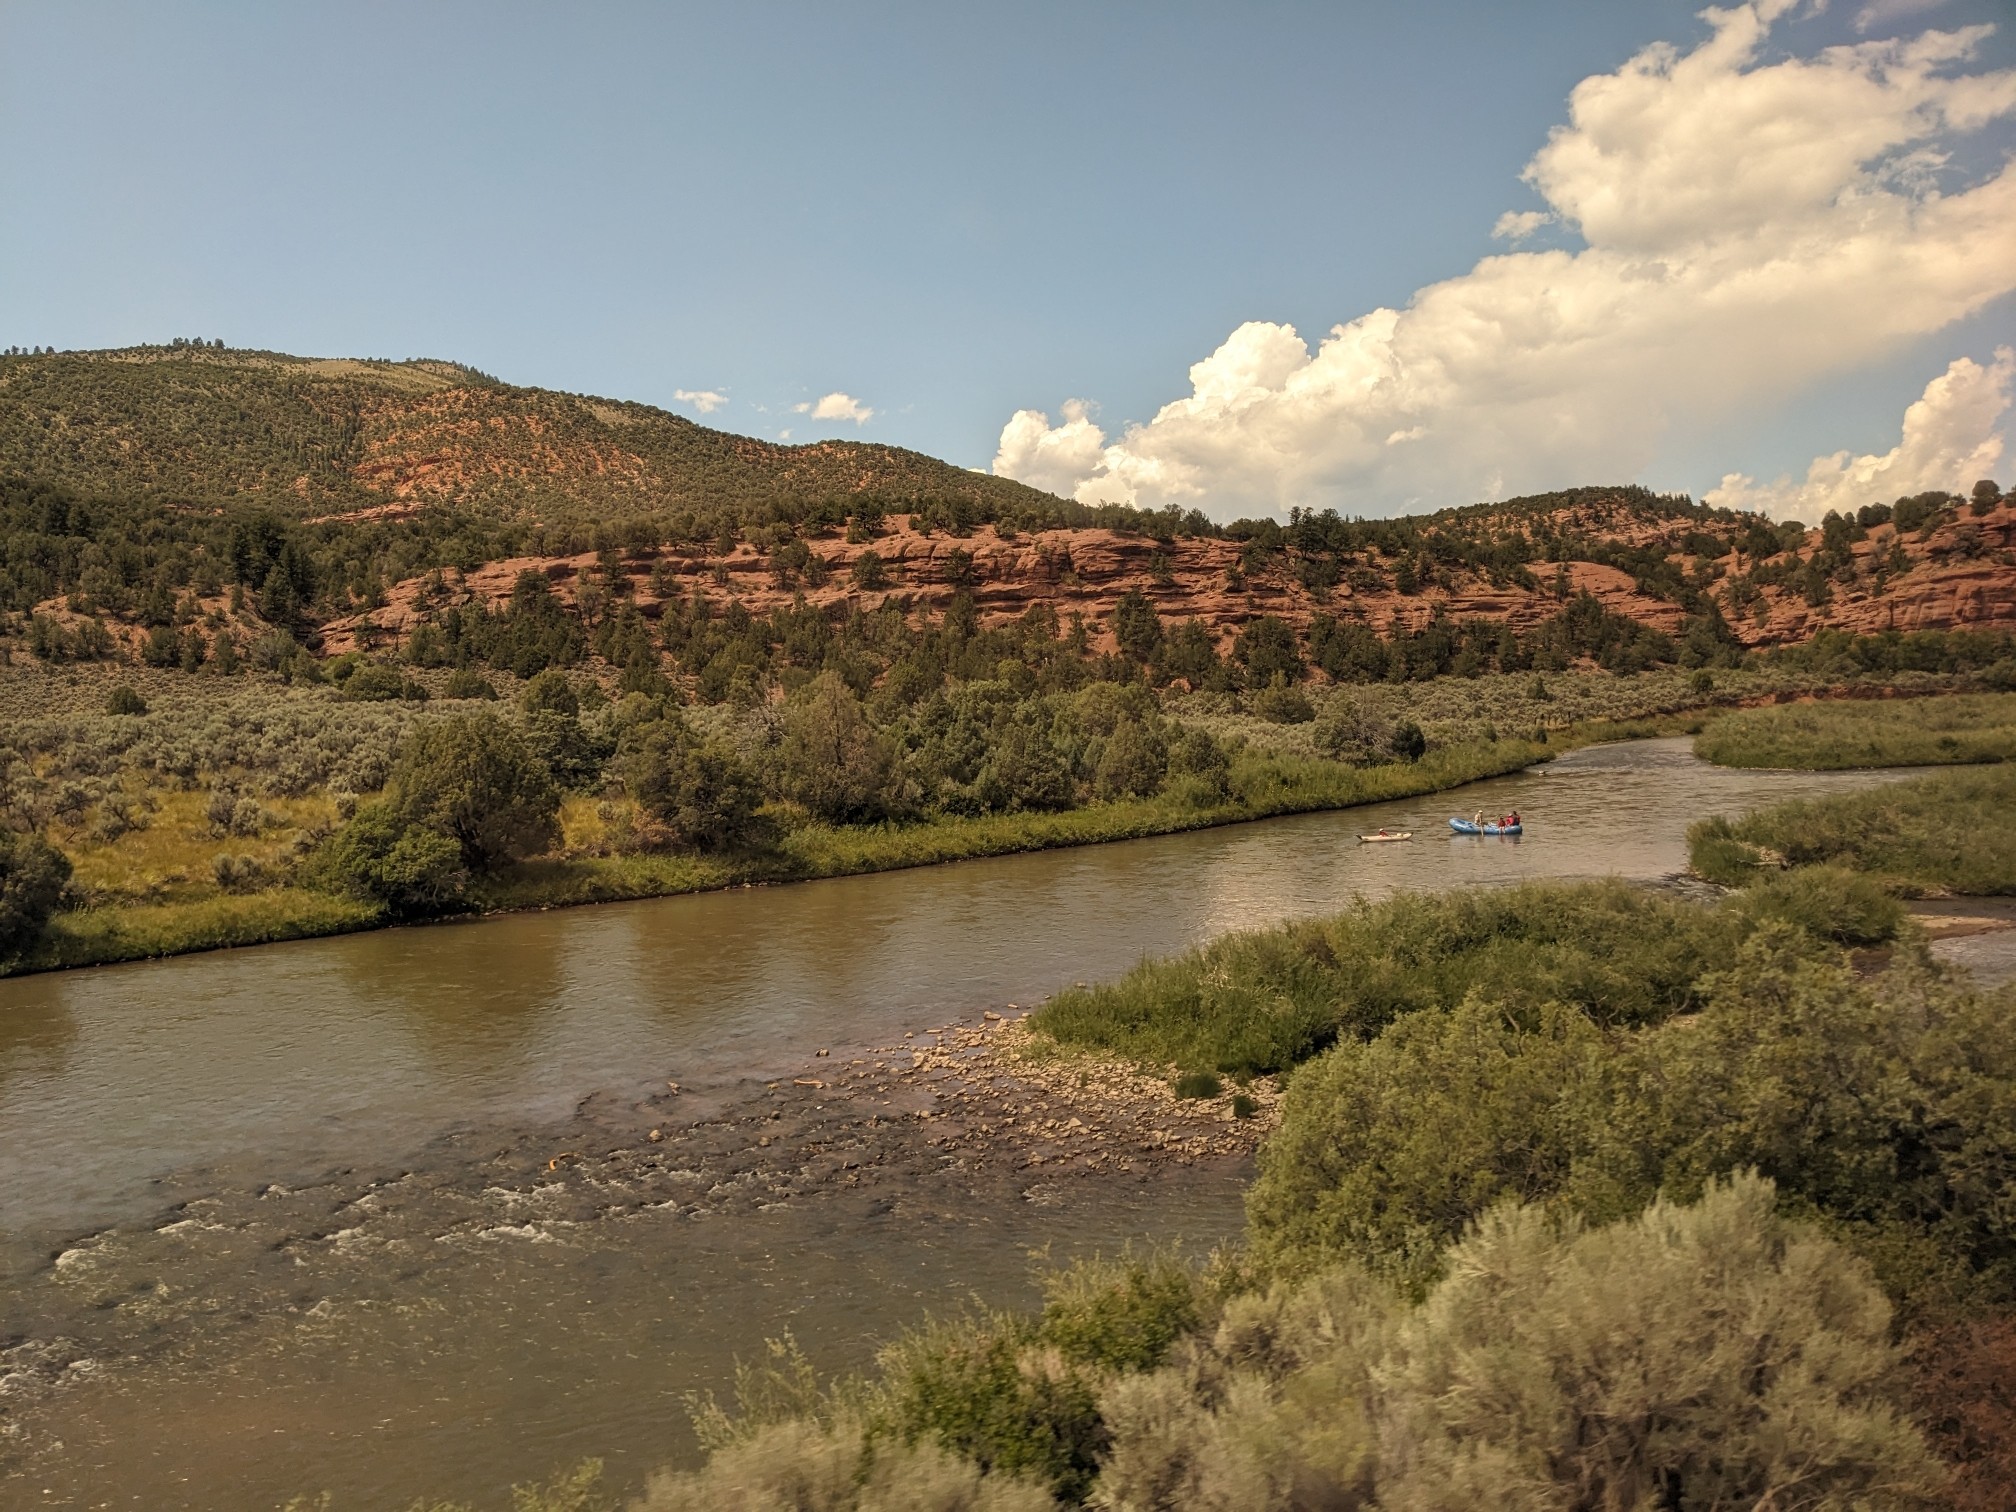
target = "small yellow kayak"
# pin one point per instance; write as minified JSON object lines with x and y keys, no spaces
{"x":1385,"y":835}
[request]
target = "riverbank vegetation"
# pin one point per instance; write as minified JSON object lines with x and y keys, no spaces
{"x":1949,"y":731}
{"x":1945,"y":832}
{"x":198,"y":810}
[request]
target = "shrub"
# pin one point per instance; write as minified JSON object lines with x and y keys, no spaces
{"x":471,"y":777}
{"x":1243,"y":1105}
{"x":1954,"y":830}
{"x":33,"y":876}
{"x":1266,"y":648}
{"x":412,"y":870}
{"x":549,"y":692}
{"x":1406,"y":742}
{"x":1387,"y":1150}
{"x":1132,"y":761}
{"x":1278,"y":703}
{"x":1195,"y":1084}
{"x":699,"y":793}
{"x":1696,"y":1356}
{"x":1828,"y":901}
{"x":1261,"y":1001}
{"x":833,"y":759}
{"x":869,"y":572}
{"x":572,"y":757}
{"x":123,"y":700}
{"x":1888,"y":1106}
{"x":467,"y":682}
{"x":809,"y":1467}
{"x":373,"y":682}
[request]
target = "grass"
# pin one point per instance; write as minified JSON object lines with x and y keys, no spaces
{"x":96,"y":936}
{"x":1950,"y":731}
{"x":1944,"y":832}
{"x":1263,"y":1000}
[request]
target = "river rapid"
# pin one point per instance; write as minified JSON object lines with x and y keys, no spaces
{"x":382,"y":1215}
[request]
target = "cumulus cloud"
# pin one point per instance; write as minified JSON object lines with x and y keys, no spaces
{"x":1747,"y":229}
{"x":704,"y":400}
{"x":836,"y":406}
{"x":1950,"y":439}
{"x":1052,"y":457}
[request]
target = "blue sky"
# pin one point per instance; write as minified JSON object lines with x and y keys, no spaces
{"x":949,"y":213}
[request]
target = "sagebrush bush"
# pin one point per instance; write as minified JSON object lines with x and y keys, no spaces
{"x":1700,"y":1356}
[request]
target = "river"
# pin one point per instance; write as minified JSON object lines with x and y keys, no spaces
{"x":264,"y":1221}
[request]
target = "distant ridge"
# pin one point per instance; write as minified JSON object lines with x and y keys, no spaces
{"x":320,"y":436}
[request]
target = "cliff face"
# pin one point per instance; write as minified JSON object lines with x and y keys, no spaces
{"x":1962,"y":575}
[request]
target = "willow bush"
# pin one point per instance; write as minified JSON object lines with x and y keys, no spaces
{"x":1952,"y":831}
{"x":1834,"y":736}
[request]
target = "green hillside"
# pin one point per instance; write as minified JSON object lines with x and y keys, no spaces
{"x":310,"y":437}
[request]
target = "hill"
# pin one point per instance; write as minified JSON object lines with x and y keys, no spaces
{"x":168,"y":501}
{"x":193,"y":425}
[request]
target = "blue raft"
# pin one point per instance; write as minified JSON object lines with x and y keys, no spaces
{"x":1471,"y":827}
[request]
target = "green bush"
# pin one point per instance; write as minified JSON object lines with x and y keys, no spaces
{"x":700,"y":794}
{"x":1132,"y":761}
{"x":834,"y":761}
{"x":411,"y":870}
{"x":1387,"y":1150}
{"x":1828,"y":901}
{"x":467,"y":682}
{"x":571,"y":755}
{"x":805,"y":1466}
{"x":549,"y":692}
{"x":123,"y":700}
{"x":374,"y":682}
{"x":1947,"y":830}
{"x":33,"y":877}
{"x":1888,"y":1106}
{"x":1278,"y":703}
{"x":1244,"y":1105}
{"x":1261,"y":1001}
{"x":1858,"y":732}
{"x":471,"y":777}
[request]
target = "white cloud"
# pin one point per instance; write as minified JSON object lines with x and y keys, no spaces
{"x":704,"y":400}
{"x":1517,"y":225}
{"x":836,"y":406}
{"x":1051,"y":457}
{"x":1748,"y":229}
{"x":1882,"y":12}
{"x":1950,"y":439}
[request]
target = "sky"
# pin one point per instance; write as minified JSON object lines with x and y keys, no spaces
{"x":1367,"y":257}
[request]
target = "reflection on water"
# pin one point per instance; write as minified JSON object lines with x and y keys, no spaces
{"x":419,"y":1369}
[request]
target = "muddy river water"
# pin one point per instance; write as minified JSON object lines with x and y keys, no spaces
{"x":313,"y":1216}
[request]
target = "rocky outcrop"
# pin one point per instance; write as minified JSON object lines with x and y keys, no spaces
{"x":1961,"y":576}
